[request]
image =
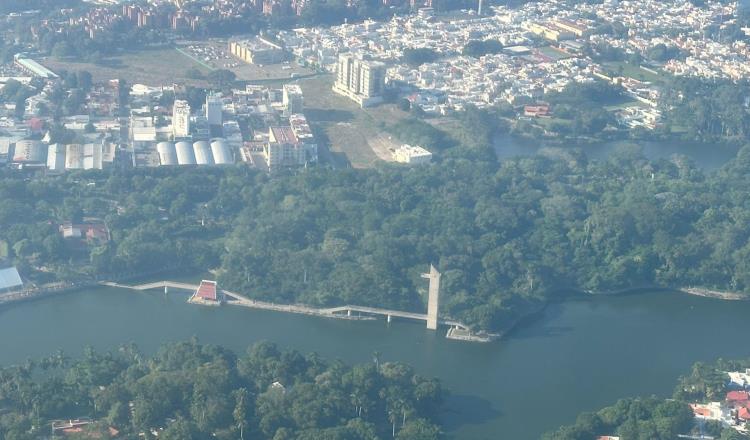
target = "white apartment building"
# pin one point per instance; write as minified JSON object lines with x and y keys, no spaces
{"x":292,"y":99}
{"x":181,"y":119}
{"x":283,"y":149}
{"x":360,"y":80}
{"x":213,"y":109}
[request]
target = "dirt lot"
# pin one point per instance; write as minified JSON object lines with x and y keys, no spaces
{"x":353,"y":136}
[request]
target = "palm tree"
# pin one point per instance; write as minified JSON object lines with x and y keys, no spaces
{"x":376,"y":359}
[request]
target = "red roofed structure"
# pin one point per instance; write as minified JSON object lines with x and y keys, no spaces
{"x":701,"y":410}
{"x":738,"y":396}
{"x":744,"y":414}
{"x":207,"y":291}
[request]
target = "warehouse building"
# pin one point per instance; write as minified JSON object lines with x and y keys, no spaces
{"x":33,"y":68}
{"x":257,"y":51}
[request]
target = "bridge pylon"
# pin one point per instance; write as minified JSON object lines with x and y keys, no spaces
{"x":433,"y":298}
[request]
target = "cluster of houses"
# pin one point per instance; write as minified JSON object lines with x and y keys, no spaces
{"x":734,"y":410}
{"x":543,"y":50}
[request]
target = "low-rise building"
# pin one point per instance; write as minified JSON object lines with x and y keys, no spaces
{"x":414,"y":155}
{"x":257,"y":51}
{"x":10,"y":279}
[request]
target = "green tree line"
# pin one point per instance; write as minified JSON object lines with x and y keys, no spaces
{"x":189,"y":391}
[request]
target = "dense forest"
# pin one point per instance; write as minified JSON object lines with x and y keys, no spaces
{"x":506,"y":236}
{"x":631,"y":419}
{"x":192,"y":391}
{"x":661,"y":419}
{"x":708,"y":110}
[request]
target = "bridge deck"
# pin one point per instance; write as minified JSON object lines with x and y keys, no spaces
{"x":241,"y":300}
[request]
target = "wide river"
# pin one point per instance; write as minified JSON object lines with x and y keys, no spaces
{"x":576,"y":356}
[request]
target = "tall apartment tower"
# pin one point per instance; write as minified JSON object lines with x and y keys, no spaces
{"x":214,"y":109}
{"x":181,"y":119}
{"x":360,"y":80}
{"x":292,"y":99}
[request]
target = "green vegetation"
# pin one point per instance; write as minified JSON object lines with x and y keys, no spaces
{"x":506,"y":237}
{"x":417,"y":57}
{"x":654,"y":418}
{"x":417,"y":132}
{"x":630,"y":419}
{"x":190,"y":391}
{"x":478,"y":48}
{"x":632,"y":70}
{"x":579,"y":111}
{"x":711,"y":110}
{"x":152,"y":66}
{"x":708,"y":381}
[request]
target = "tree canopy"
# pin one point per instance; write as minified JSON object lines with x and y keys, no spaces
{"x":192,"y":391}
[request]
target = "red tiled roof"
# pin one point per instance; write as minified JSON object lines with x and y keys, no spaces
{"x":737,"y":396}
{"x":744,"y":413}
{"x":207,"y":290}
{"x":701,"y":411}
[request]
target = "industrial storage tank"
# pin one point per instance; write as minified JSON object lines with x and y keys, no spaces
{"x":221,"y":152}
{"x":30,"y":152}
{"x":167,"y":153}
{"x":203,"y":154}
{"x":185,"y":154}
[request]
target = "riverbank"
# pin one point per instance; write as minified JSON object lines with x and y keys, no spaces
{"x":697,"y":291}
{"x":717,"y":294}
{"x":494,"y":387}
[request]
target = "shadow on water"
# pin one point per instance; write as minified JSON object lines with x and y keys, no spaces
{"x":551,"y":331}
{"x":533,"y":325}
{"x":464,"y":409}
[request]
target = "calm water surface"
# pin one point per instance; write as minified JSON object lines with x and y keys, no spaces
{"x":579,"y":355}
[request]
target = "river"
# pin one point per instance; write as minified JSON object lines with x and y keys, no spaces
{"x":705,"y":156}
{"x":576,"y":356}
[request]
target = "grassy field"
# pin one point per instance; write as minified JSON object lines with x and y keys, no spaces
{"x":164,"y":66}
{"x":553,"y":52}
{"x":632,"y":71}
{"x":353,"y":136}
{"x":153,"y":67}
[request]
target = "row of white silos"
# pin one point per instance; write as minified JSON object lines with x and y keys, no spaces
{"x":203,"y":153}
{"x":221,"y":152}
{"x":198,"y":153}
{"x":167,"y":153}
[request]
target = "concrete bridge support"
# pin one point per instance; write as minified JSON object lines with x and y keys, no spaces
{"x":433,"y":299}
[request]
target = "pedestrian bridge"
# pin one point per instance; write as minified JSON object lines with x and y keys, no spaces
{"x":347,"y":311}
{"x":361,"y":310}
